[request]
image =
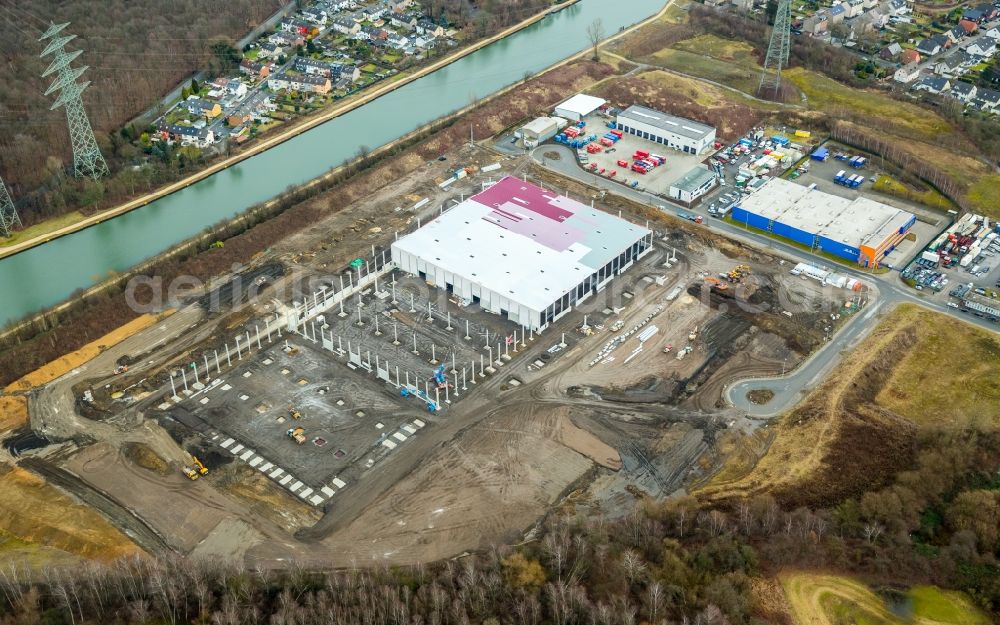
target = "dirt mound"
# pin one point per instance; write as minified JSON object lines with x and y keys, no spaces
{"x":143,"y":456}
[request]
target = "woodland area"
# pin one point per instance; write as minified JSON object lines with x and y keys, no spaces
{"x":673,"y":561}
{"x":137,"y":51}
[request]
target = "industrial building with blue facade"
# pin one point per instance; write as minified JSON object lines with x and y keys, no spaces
{"x":859,"y":230}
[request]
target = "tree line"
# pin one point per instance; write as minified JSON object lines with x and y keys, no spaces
{"x":674,"y":561}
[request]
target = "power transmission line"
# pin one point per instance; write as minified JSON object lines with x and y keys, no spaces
{"x":87,"y":158}
{"x":778,"y":49}
{"x":8,"y":214}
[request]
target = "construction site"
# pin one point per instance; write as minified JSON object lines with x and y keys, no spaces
{"x":379,"y":414}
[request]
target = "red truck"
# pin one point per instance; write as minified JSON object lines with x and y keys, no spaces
{"x":622,"y":163}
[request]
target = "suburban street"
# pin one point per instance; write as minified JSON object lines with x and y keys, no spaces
{"x":887,"y":291}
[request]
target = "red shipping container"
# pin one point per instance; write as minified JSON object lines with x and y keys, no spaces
{"x":617,"y":133}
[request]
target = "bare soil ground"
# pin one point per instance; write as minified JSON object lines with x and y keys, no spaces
{"x":484,"y":487}
{"x":39,"y":515}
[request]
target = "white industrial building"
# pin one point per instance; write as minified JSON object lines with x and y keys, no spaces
{"x":541,"y":129}
{"x":675,"y":132}
{"x":693,"y":185}
{"x":578,"y":107}
{"x":522,"y":252}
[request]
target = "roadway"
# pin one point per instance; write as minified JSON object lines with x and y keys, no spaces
{"x":886,"y":290}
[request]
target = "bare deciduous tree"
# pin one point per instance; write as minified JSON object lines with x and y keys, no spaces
{"x":595,"y":34}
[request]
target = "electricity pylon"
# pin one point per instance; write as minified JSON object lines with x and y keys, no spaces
{"x":778,"y":49}
{"x":8,"y":214}
{"x":87,"y":158}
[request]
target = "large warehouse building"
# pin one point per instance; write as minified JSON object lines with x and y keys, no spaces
{"x":860,"y":230}
{"x":674,"y":132}
{"x":521,"y":251}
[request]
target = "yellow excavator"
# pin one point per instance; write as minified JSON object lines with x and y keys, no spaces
{"x":201,"y":468}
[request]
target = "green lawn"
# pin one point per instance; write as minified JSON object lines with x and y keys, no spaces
{"x":49,"y":225}
{"x":945,"y":606}
{"x":890,"y":186}
{"x":985,"y":195}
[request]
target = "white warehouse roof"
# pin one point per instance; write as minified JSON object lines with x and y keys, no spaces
{"x":581,"y":104}
{"x":522,"y":242}
{"x":671,"y":123}
{"x":857,"y":222}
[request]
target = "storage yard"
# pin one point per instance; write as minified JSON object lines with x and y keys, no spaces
{"x":961,"y":263}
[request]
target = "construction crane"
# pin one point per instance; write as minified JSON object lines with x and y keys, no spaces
{"x":199,"y":465}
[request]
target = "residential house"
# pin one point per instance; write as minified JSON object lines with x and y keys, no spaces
{"x":969,"y":26}
{"x":398,"y":6}
{"x":890,"y":52}
{"x":874,"y":19}
{"x":269,"y":50}
{"x":255,"y":70}
{"x":963,"y":91}
{"x":423,"y":41}
{"x":854,"y":8}
{"x":188,"y":135}
{"x":201,"y":107}
{"x":816,"y":24}
{"x":742,"y":5}
{"x":406,"y":20}
{"x":287,"y":39}
{"x":954,"y":64}
{"x":909,"y":56}
{"x":315,"y":16}
{"x":933,"y":84}
{"x":374,"y":13}
{"x":929,"y":47}
{"x":298,"y":27}
{"x":899,"y":7}
{"x":981,"y":13}
{"x":346,"y":26}
{"x":374,"y":33}
{"x":236,"y":88}
{"x":907,"y":73}
{"x":955,"y":34}
{"x":868,"y":5}
{"x":238,"y":118}
{"x":429,"y":28}
{"x":311,"y":84}
{"x":983,"y":47}
{"x":363,"y":34}
{"x":987,"y":100}
{"x":327,"y":69}
{"x":397,"y":41}
{"x":993,"y":33}
{"x":334,"y":6}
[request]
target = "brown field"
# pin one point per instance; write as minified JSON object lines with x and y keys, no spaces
{"x":36,"y":514}
{"x":686,"y":97}
{"x":13,"y":412}
{"x":862,"y":420}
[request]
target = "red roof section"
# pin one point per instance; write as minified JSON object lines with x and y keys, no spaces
{"x":968,"y":26}
{"x":909,"y":56}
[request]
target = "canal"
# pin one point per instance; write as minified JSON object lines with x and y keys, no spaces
{"x":48,"y":274}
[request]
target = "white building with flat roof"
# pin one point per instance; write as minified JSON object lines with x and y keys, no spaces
{"x":579,"y":106}
{"x":522,"y":252}
{"x":859,"y":229}
{"x":675,"y":132}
